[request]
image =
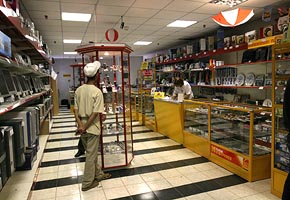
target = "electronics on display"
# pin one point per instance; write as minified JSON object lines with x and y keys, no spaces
{"x":17,"y":85}
{"x":4,"y":92}
{"x":25,"y":89}
{"x":19,"y":148}
{"x":9,"y":82}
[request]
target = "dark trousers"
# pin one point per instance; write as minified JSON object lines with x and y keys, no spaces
{"x":81,"y":147}
{"x":286,"y":191}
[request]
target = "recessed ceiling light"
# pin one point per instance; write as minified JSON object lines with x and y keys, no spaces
{"x":142,"y":43}
{"x":181,"y":23}
{"x":80,"y":17}
{"x":72,"y":41}
{"x":70,"y":53}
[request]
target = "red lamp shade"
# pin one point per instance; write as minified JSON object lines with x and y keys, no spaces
{"x":233,"y":17}
{"x":112,"y":35}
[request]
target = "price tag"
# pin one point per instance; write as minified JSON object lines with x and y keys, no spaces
{"x":261,"y":88}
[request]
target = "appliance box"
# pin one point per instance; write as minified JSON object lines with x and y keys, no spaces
{"x":9,"y":146}
{"x":5,"y":45}
{"x":3,"y":168}
{"x":18,"y":129}
{"x":29,"y":134}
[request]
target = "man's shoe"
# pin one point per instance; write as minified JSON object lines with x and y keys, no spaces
{"x":103,"y":177}
{"x":79,"y":153}
{"x":93,"y":185}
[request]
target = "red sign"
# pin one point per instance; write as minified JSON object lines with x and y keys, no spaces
{"x":147,"y":72}
{"x":230,"y":156}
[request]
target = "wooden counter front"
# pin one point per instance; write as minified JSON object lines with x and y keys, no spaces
{"x":169,"y":119}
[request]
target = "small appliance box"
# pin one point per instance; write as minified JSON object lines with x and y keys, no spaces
{"x":5,"y":45}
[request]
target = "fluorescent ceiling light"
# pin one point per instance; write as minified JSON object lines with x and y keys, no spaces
{"x":181,"y":23}
{"x":70,"y":53}
{"x":72,"y":41}
{"x":80,"y":17}
{"x":142,"y":43}
{"x":230,"y":3}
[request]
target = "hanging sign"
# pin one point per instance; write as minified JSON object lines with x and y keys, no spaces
{"x":147,"y":74}
{"x":144,"y":65}
{"x":112,"y":35}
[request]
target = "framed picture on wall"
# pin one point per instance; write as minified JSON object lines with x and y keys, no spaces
{"x":266,"y":31}
{"x":250,"y":36}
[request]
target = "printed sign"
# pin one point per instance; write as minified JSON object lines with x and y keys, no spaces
{"x":230,"y":156}
{"x":147,"y":74}
{"x":158,"y":95}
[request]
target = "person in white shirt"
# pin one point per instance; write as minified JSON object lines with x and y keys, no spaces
{"x":89,"y":104}
{"x":183,"y":87}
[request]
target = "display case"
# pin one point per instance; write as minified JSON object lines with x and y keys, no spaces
{"x":116,"y":133}
{"x":241,"y":139}
{"x":149,"y":116}
{"x":196,"y":126}
{"x":280,"y":152}
{"x":134,"y":105}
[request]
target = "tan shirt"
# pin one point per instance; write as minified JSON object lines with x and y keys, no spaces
{"x":89,"y":99}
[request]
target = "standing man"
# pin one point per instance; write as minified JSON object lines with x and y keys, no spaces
{"x":89,"y":104}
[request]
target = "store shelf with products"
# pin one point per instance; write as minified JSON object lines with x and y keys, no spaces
{"x":213,"y":73}
{"x":280,"y":152}
{"x":241,"y":139}
{"x":116,"y":133}
{"x":22,"y":38}
{"x":25,"y":92}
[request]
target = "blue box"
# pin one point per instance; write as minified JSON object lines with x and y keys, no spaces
{"x":5,"y":45}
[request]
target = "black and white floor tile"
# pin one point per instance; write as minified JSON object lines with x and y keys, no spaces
{"x":161,"y":169}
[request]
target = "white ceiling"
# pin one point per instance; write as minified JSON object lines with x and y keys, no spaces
{"x":146,"y":19}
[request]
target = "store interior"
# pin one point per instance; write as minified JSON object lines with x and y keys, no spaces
{"x":227,"y":142}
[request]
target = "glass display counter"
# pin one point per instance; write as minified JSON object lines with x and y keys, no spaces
{"x":196,"y":126}
{"x":280,"y":152}
{"x":134,"y":105}
{"x":241,"y":139}
{"x":149,"y":116}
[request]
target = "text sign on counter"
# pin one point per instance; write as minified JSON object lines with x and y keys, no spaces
{"x":230,"y":156}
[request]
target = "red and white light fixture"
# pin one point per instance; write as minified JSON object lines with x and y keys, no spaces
{"x":233,"y":17}
{"x":112,"y":35}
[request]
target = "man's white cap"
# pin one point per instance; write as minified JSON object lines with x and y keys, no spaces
{"x":91,"y":69}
